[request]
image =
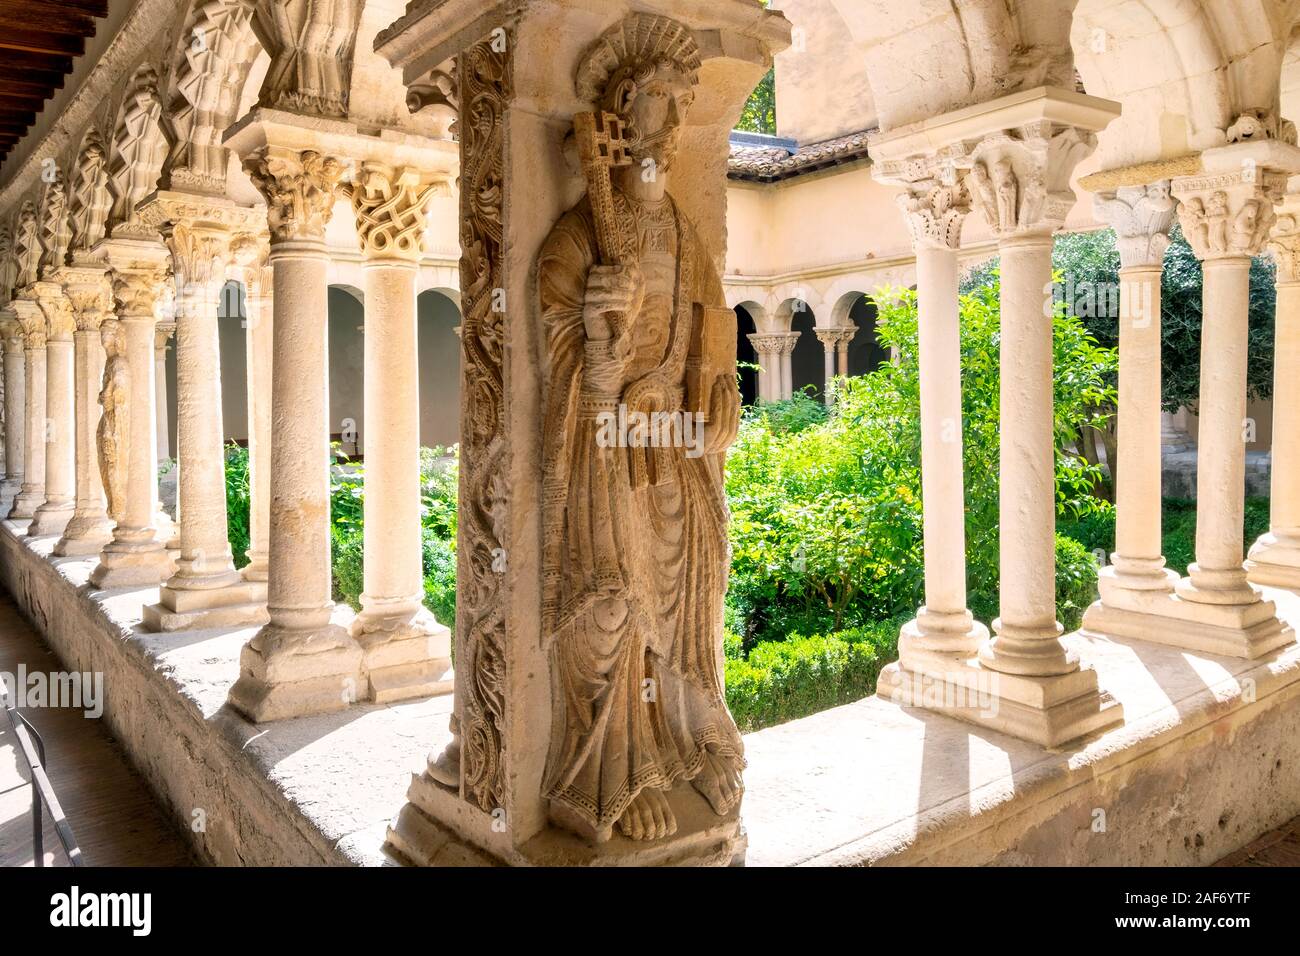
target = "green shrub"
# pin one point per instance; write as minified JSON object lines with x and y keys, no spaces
{"x":784,"y":680}
{"x":238,"y":502}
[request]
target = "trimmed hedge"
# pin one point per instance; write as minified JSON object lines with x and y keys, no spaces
{"x":801,"y":675}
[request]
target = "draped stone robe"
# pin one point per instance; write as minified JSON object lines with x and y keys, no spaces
{"x":637,"y":701}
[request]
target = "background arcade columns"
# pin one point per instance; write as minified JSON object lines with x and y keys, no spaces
{"x":773,"y":351}
{"x":835,"y":343}
{"x":11,"y":331}
{"x":60,"y":422}
{"x":32,"y":493}
{"x":1275,"y":557}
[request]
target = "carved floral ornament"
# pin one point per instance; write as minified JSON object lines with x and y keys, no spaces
{"x":1141,"y":217}
{"x":774,"y":343}
{"x":934,"y":213}
{"x":392,"y":206}
{"x":299,"y":189}
{"x":136,"y":289}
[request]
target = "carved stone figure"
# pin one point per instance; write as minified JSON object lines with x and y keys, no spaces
{"x":113,"y":433}
{"x":635,"y":559}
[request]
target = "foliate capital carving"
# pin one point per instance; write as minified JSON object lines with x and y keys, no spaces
{"x":1141,"y":217}
{"x":1019,"y":179}
{"x":774,"y":343}
{"x":934,"y":213}
{"x":199,"y":255}
{"x":392,"y":206}
{"x":60,"y":322}
{"x":136,"y":290}
{"x":91,"y":294}
{"x":835,"y":337}
{"x":249,"y":252}
{"x":1228,"y":215}
{"x":31,"y":320}
{"x":1284,"y":240}
{"x":11,"y":332}
{"x":162,"y":334}
{"x":299,"y":188}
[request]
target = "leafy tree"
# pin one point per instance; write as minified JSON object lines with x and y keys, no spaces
{"x":759,"y":114}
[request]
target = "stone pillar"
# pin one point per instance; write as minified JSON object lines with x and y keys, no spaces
{"x":944,"y":633}
{"x":55,"y":512}
{"x":835,"y":343}
{"x":1275,"y":557}
{"x":249,"y":253}
{"x":1226,"y":213}
{"x":850,"y":332}
{"x":89,"y":529}
{"x":15,"y":402}
{"x":407,"y":652}
{"x":828,"y":341}
{"x":773,"y":350}
{"x":1137,"y":581}
{"x":524,"y":72}
{"x":1020,"y":154}
{"x":788,"y":344}
{"x":162,"y":413}
{"x":206,"y":591}
{"x":32,"y":493}
{"x":303,"y":661}
{"x":135,"y":557}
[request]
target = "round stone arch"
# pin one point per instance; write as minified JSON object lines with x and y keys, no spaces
{"x":807,"y":361}
{"x":858,"y":310}
{"x":438,"y":317}
{"x":138,"y":151}
{"x":749,"y":321}
{"x":347,"y":349}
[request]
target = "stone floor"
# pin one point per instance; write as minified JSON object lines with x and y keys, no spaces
{"x":113,"y":814}
{"x":1280,"y":847}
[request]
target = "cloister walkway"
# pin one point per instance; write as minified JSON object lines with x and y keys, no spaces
{"x":115,"y":818}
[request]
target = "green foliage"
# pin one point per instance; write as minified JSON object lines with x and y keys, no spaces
{"x":237,"y":502}
{"x":1076,"y":581}
{"x":784,"y":680}
{"x":790,"y":415}
{"x":759,"y":114}
{"x":826,"y":517}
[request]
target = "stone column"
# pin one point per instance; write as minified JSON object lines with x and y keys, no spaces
{"x":850,"y":332}
{"x":1226,"y":214}
{"x":788,"y":343}
{"x":1019,"y":156}
{"x":32,"y":494}
{"x":828,"y":340}
{"x":162,"y":336}
{"x":771,"y":349}
{"x":944,"y":632}
{"x":1275,"y":557}
{"x":135,"y":557}
{"x":15,"y":402}
{"x":835,"y":342}
{"x":89,"y":529}
{"x":407,"y":652}
{"x":249,"y":253}
{"x":60,"y":422}
{"x":206,"y":591}
{"x":1136,"y":581}
{"x":303,"y":661}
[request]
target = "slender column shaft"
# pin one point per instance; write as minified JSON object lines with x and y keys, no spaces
{"x":1028,"y":634}
{"x":15,"y":423}
{"x":393,"y":574}
{"x":141,"y":484}
{"x":1137,"y":491}
{"x":828,"y":370}
{"x":259,"y":344}
{"x":89,"y":530}
{"x":60,"y":451}
{"x":33,"y":490}
{"x":1218,"y":576}
{"x":300,"y":582}
{"x":942,"y":470}
{"x":787,"y":373}
{"x":1285,"y":477}
{"x":844,"y":358}
{"x":162,"y":414}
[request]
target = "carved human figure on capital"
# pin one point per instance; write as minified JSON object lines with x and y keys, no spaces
{"x":635,"y":558}
{"x":112,"y":433}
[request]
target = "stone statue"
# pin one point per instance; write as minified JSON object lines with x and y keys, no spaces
{"x":635,"y":531}
{"x":113,"y":434}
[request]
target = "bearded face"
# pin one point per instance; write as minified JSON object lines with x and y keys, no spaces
{"x":655,"y":115}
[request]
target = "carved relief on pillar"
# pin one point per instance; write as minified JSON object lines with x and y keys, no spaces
{"x":486,"y":90}
{"x":55,"y":230}
{"x":27,"y":247}
{"x":248,"y":262}
{"x":90,"y":198}
{"x":311,"y":46}
{"x":934,"y":213}
{"x":392,"y":206}
{"x":299,"y":188}
{"x":8,"y":266}
{"x":113,"y":434}
{"x":1228,"y":214}
{"x":1019,"y":179}
{"x":1284,"y":240}
{"x":1141,"y":217}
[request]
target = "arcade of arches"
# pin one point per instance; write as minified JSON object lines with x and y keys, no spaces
{"x":507,"y":224}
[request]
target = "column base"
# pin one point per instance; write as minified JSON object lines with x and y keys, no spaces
{"x":1247,"y":631}
{"x":241,"y":604}
{"x":9,"y":490}
{"x":129,"y":564}
{"x":403,"y":657}
{"x":51,"y":520}
{"x":295,"y":673}
{"x":167,"y":531}
{"x":84,"y":536}
{"x":958,"y":635}
{"x":25,"y":505}
{"x":1047,"y":711}
{"x":437,"y":828}
{"x":1274,"y":560}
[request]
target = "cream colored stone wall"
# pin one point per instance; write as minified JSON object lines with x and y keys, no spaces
{"x":823,"y":57}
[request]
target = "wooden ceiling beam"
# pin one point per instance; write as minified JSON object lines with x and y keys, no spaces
{"x":41,"y":41}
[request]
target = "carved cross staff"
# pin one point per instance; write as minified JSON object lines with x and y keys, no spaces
{"x":602,"y":147}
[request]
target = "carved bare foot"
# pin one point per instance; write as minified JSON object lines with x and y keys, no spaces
{"x":648,"y":817}
{"x":719,"y":782}
{"x":446,"y":769}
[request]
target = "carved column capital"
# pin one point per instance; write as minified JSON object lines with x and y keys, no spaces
{"x":299,"y":188}
{"x":31,"y":320}
{"x":91,"y":295}
{"x":198,"y":255}
{"x":1228,"y":215}
{"x":136,"y":290}
{"x":392,"y":205}
{"x":774,"y":343}
{"x":1284,"y":240}
{"x":11,"y":332}
{"x":1141,"y":217}
{"x":833,"y":338}
{"x":1019,"y":178}
{"x":60,"y":322}
{"x":934,"y":213}
{"x":248,"y":264}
